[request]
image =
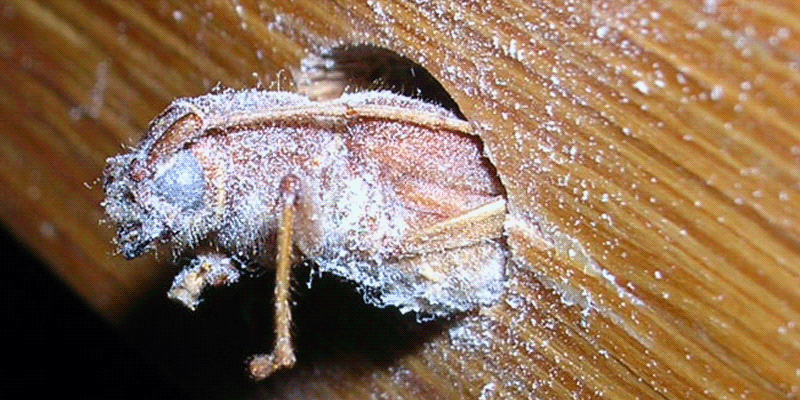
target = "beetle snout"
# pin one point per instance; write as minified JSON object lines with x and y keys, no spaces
{"x":135,"y":238}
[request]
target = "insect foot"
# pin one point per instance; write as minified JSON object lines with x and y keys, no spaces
{"x":388,"y":192}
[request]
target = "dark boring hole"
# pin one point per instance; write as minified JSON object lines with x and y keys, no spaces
{"x":358,"y":67}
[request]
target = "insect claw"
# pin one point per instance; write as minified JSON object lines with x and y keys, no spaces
{"x":261,"y":366}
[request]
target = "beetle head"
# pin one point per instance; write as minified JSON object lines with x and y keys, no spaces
{"x":156,"y":192}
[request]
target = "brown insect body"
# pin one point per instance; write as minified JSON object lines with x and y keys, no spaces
{"x":391,"y":193}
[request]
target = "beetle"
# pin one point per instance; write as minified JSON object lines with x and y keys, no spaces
{"x":389,"y":192}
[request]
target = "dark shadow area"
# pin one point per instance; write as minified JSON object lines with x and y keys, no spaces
{"x":204,"y":351}
{"x":57,"y":347}
{"x":333,"y":312}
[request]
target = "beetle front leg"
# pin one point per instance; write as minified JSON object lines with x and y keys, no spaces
{"x":208,"y":269}
{"x":282,"y":356}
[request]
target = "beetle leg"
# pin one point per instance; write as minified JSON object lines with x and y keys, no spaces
{"x":282,"y":356}
{"x":212,"y":269}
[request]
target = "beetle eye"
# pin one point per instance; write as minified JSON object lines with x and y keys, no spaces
{"x":182,"y":183}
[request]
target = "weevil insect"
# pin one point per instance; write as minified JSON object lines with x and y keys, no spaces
{"x":388,"y":192}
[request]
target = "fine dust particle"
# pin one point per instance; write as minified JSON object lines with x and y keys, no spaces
{"x":716,"y":92}
{"x":642,"y":87}
{"x":47,"y":230}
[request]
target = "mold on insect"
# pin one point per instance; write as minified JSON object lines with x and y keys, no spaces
{"x":391,"y":193}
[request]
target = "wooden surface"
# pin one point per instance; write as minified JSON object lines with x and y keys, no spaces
{"x":651,"y":153}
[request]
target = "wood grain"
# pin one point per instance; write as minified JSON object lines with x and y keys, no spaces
{"x":651,"y":154}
